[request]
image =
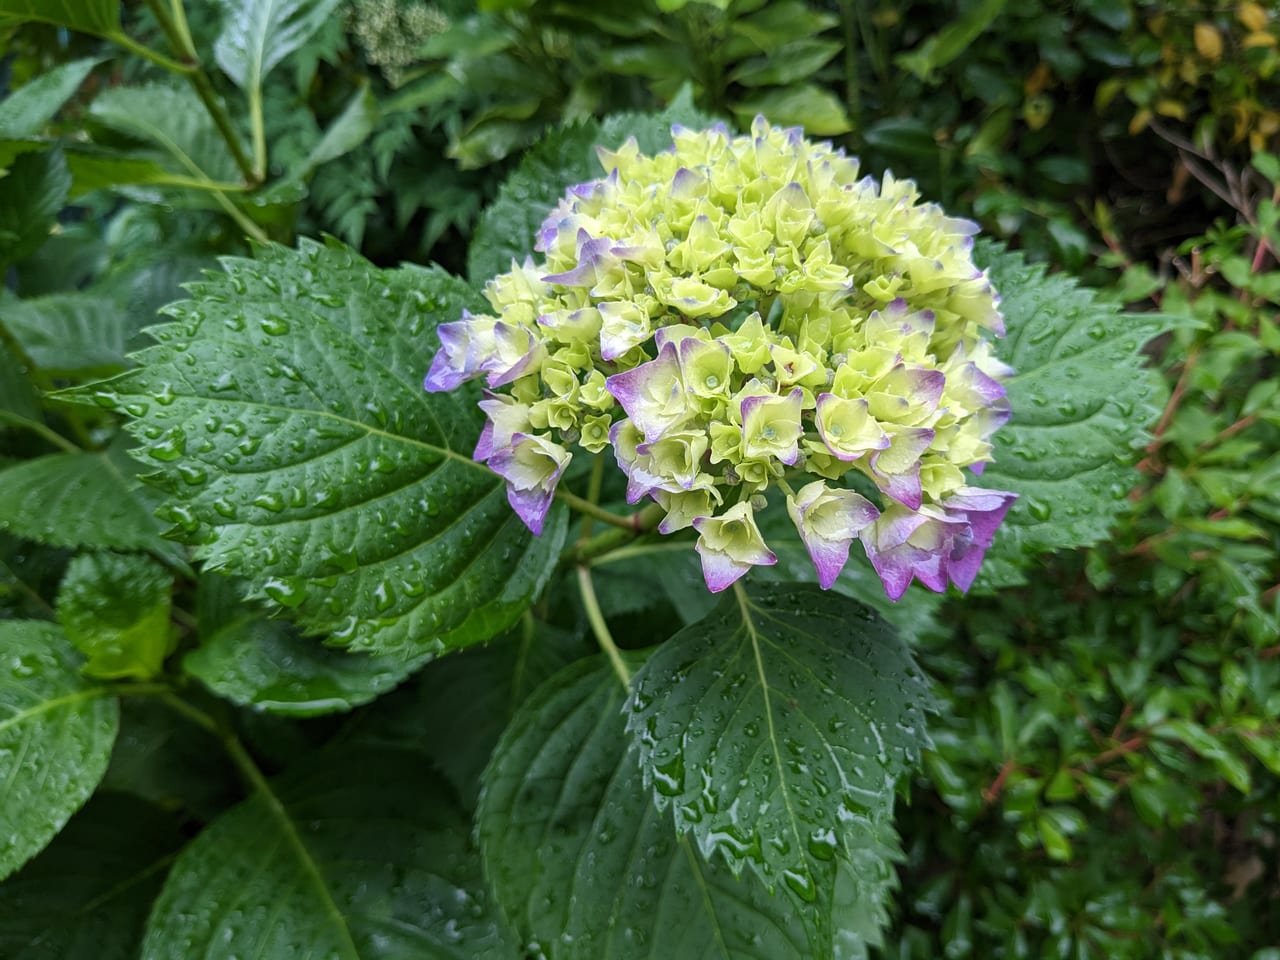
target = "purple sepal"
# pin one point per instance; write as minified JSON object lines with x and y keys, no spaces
{"x":652,"y":394}
{"x":720,"y":571}
{"x":938,"y":544}
{"x":828,"y":520}
{"x":456,"y":361}
{"x":594,"y":259}
{"x":484,"y":446}
{"x":532,"y":471}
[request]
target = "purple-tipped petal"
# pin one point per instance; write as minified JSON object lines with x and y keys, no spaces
{"x":532,"y":467}
{"x":459,"y":358}
{"x":652,"y":394}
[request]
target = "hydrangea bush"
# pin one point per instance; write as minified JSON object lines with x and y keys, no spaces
{"x":738,"y":314}
{"x":781,"y":357}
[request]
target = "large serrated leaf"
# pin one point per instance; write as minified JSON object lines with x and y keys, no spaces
{"x":66,"y":334}
{"x":585,"y":866}
{"x":1081,"y":398}
{"x":323,"y":863}
{"x":86,"y":896}
{"x":262,"y":663}
{"x":285,"y":415}
{"x":56,"y":733}
{"x":81,"y":500}
{"x":777,"y":728}
{"x":257,"y":34}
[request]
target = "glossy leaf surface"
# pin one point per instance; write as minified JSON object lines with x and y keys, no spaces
{"x":585,"y":866}
{"x":285,"y":416}
{"x":320,"y":863}
{"x":777,"y":728}
{"x":1082,"y":401}
{"x":56,"y":733}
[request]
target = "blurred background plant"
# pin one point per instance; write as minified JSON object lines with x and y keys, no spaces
{"x":1105,"y":782}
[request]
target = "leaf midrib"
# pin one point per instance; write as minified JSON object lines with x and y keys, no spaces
{"x":745,"y":606}
{"x":89,"y":693}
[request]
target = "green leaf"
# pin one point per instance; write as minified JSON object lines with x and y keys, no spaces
{"x":286,"y":418}
{"x":1081,"y":398}
{"x":583,"y":864}
{"x":70,"y":334}
{"x":101,"y":17}
{"x":10,"y":149}
{"x":257,"y":34}
{"x":114,"y":608}
{"x":86,"y":897}
{"x":93,"y":169}
{"x":176,"y":765}
{"x":174,"y":122}
{"x":777,"y":727}
{"x":349,"y":129}
{"x":56,"y":733}
{"x":321,"y":863}
{"x":81,"y":500}
{"x":456,"y":709}
{"x":941,"y":48}
{"x":806,"y":105}
{"x":31,"y":197}
{"x":262,"y":663}
{"x":790,"y":64}
{"x":26,"y":111}
{"x":17,"y":395}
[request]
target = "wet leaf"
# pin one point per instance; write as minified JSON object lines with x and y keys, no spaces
{"x":284,"y":414}
{"x":585,"y":866}
{"x":87,"y":895}
{"x":260,"y":662}
{"x":320,"y":863}
{"x":114,"y":609}
{"x":56,"y":733}
{"x":1082,"y":401}
{"x":258,"y":34}
{"x":777,"y":729}
{"x":81,"y":500}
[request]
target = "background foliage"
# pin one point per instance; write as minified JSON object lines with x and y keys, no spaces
{"x":1103,"y":773}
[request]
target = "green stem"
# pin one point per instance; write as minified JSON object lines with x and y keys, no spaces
{"x":35,"y":426}
{"x":258,"y":126}
{"x":183,"y":33}
{"x":599,"y":627}
{"x":591,"y":510}
{"x":593,"y":494}
{"x":122,"y":39}
{"x":179,"y":37}
{"x":638,"y":524}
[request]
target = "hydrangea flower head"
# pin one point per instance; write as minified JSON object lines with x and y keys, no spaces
{"x":738,"y":314}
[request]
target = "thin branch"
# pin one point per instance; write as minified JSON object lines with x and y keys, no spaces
{"x":179,"y":37}
{"x":601,"y":630}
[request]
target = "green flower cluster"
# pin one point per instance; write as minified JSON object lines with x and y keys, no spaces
{"x":745,"y":312}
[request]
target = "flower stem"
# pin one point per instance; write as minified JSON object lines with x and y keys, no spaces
{"x":599,"y":627}
{"x":636,"y":525}
{"x":593,"y":511}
